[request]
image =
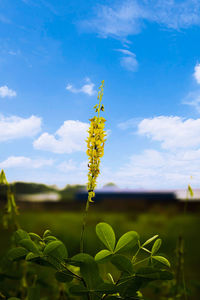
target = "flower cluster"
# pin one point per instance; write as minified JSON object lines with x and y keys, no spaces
{"x":95,"y":145}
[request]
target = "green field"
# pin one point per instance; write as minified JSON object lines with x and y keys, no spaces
{"x":67,"y":225}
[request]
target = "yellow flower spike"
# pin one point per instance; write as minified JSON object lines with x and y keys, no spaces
{"x":95,"y":145}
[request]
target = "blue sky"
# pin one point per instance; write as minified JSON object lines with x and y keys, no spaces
{"x":53,"y":57}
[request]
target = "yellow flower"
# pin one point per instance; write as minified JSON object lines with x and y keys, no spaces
{"x":95,"y":145}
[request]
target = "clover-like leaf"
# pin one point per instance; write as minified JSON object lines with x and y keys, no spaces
{"x":56,"y":249}
{"x":64,"y":276}
{"x":17,"y":253}
{"x":162,"y":260}
{"x":106,"y":235}
{"x":150,"y":240}
{"x":88,"y":269}
{"x":103,"y":255}
{"x":20,"y":235}
{"x":127,"y":241}
{"x":35,"y":236}
{"x":29,"y":245}
{"x":122,"y":263}
{"x":156,"y":246}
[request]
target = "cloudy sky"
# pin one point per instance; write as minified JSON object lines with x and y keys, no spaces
{"x":53,"y":56}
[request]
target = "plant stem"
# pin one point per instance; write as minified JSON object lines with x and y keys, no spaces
{"x":83,"y":225}
{"x":134,"y":257}
{"x":141,"y":261}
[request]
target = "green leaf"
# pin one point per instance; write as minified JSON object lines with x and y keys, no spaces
{"x":190,"y":190}
{"x":154,"y":274}
{"x":20,"y":235}
{"x":106,"y":235}
{"x":32,"y":256}
{"x":122,"y":263}
{"x":156,"y":246}
{"x":29,"y":245}
{"x":47,"y":233}
{"x":42,"y":261}
{"x":35,"y":236}
{"x":107,"y":288}
{"x":50,"y":238}
{"x":56,"y":249}
{"x":146,"y":250}
{"x":88,"y":269}
{"x":34,"y":293}
{"x":162,"y":260}
{"x":17,"y":253}
{"x":64,"y":276}
{"x":13,"y":298}
{"x":150,"y":240}
{"x":78,"y":290}
{"x":103,"y":256}
{"x":3,"y":179}
{"x":113,"y":298}
{"x":127,"y":241}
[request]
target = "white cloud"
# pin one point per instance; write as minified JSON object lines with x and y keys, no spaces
{"x":130,"y":123}
{"x":128,"y":17}
{"x":128,"y":61}
{"x":87,"y":88}
{"x":193,"y":99}
{"x":70,"y":137}
{"x":170,"y":167}
{"x":15,"y":127}
{"x":197,"y":73}
{"x":25,"y":162}
{"x":73,"y":166}
{"x":6,"y":92}
{"x":154,"y":169}
{"x":172,"y":132}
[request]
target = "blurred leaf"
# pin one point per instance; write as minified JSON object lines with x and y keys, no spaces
{"x":47,"y":233}
{"x":156,"y":246}
{"x":29,"y":245}
{"x":32,"y":256}
{"x":3,"y":179}
{"x":50,"y":238}
{"x":78,"y":290}
{"x":107,"y":288}
{"x":146,"y":250}
{"x":103,"y":256}
{"x":162,"y":260}
{"x":89,"y":269}
{"x":20,"y":235}
{"x":127,"y":241}
{"x":56,"y":249}
{"x":190,"y":190}
{"x":106,"y":235}
{"x":150,"y":240}
{"x":154,"y":274}
{"x":122,"y":263}
{"x":13,"y":298}
{"x":35,"y":236}
{"x":64,"y":276}
{"x":17,"y":253}
{"x":33,"y":293}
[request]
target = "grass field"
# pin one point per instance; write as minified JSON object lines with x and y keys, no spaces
{"x":67,"y":226}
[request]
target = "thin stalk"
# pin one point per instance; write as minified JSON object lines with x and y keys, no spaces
{"x":134,"y":257}
{"x":83,"y":225}
{"x":141,"y":261}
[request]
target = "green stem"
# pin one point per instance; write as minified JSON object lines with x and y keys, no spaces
{"x":83,"y":225}
{"x":139,"y":262}
{"x":134,"y":257}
